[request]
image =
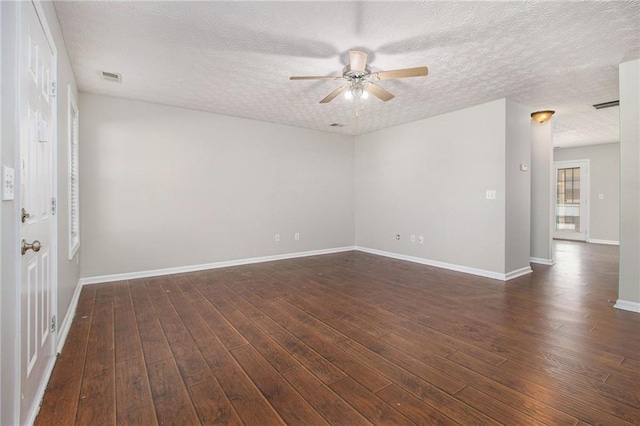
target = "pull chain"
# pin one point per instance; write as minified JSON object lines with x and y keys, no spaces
{"x":359,"y":107}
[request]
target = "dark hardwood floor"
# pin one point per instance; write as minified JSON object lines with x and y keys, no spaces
{"x":353,"y":339}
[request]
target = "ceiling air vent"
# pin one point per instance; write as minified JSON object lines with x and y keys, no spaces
{"x":111,"y":76}
{"x":607,"y":104}
{"x":337,"y":125}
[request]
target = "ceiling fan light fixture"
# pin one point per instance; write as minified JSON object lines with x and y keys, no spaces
{"x":542,"y":116}
{"x":357,"y":91}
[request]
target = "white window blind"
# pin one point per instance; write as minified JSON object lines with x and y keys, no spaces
{"x":73,"y":184}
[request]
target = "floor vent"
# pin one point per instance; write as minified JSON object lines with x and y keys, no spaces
{"x":607,"y":104}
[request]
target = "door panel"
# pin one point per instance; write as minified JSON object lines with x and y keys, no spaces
{"x":36,"y":189}
{"x":571,"y":209}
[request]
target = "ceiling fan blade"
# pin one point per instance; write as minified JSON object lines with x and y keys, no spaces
{"x":316,"y":77}
{"x":379,"y":92}
{"x":331,"y":96}
{"x":357,"y":60}
{"x":403,"y":73}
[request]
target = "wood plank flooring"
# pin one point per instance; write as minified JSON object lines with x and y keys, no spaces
{"x":353,"y":339}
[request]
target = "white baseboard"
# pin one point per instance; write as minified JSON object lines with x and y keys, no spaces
{"x":627,"y":305}
{"x":63,"y":329}
{"x":248,"y":261}
{"x":542,"y":261}
{"x":205,"y":266}
{"x":450,"y":266}
{"x":609,"y":242}
{"x":518,"y":273}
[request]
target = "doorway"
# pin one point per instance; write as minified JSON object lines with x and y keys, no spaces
{"x":571,"y":209}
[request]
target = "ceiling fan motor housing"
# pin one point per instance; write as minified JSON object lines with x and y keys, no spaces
{"x":350,"y":74}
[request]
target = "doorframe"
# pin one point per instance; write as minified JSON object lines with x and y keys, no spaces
{"x":30,"y":417}
{"x":1,"y":164}
{"x":585,"y":188}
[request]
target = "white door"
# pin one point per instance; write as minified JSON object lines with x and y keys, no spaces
{"x":571,"y":200}
{"x":36,"y":188}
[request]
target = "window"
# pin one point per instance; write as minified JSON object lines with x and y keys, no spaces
{"x":73,"y":184}
{"x":568,"y":199}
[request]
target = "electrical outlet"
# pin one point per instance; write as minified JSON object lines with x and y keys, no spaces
{"x":398,"y":237}
{"x":491,"y":195}
{"x":296,"y":236}
{"x":277,"y":238}
{"x":413,"y":238}
{"x":600,"y":196}
{"x":421,"y":239}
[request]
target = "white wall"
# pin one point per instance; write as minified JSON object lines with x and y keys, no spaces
{"x":518,"y":187}
{"x":68,"y":273}
{"x":629,"y":284}
{"x":164,"y":187}
{"x":541,"y":191}
{"x":604,"y":178}
{"x":430,"y":178}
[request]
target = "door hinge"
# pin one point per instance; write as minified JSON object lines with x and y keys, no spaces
{"x":53,"y":206}
{"x":54,"y":89}
{"x":53,"y":323}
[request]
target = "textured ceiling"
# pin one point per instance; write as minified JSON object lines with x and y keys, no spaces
{"x":235,"y":58}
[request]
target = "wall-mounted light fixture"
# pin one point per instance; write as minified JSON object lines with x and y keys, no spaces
{"x":542,"y":116}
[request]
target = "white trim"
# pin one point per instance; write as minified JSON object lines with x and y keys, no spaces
{"x":224,"y":264}
{"x":205,"y":266}
{"x":542,"y":261}
{"x":609,"y":242}
{"x":450,"y":266}
{"x":72,"y":112}
{"x":63,"y":329}
{"x":585,"y":197}
{"x":2,"y":337}
{"x":45,"y":26}
{"x":627,"y":305}
{"x":518,"y":273}
{"x":1,"y":162}
{"x":17,"y":294}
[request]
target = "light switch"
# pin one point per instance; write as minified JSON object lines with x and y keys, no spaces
{"x":8,"y":183}
{"x":523,"y":167}
{"x":491,"y":194}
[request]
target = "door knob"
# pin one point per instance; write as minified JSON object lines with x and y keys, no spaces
{"x":35,"y":246}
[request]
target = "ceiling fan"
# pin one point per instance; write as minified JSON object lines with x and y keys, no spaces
{"x":360,"y":79}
